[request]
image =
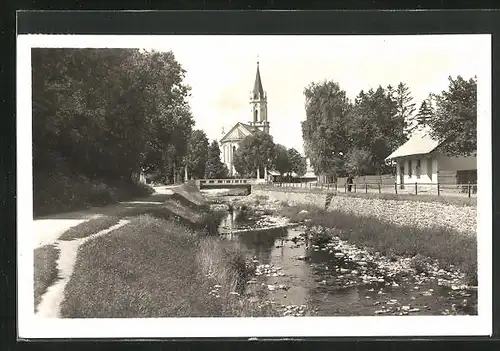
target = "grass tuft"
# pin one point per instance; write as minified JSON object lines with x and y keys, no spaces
{"x":45,"y":270}
{"x":89,"y":227}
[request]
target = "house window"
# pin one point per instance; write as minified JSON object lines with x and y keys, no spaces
{"x":417,"y":170}
{"x":410,"y":170}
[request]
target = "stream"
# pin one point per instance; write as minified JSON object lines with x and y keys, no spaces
{"x":336,"y":278}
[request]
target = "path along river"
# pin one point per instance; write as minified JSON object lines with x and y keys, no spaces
{"x":336,"y":278}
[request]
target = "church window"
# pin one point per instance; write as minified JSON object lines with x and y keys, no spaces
{"x":255,"y":114}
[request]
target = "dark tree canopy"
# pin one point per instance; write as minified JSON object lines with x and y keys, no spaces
{"x":297,"y":162}
{"x":255,"y":151}
{"x":405,"y":107}
{"x":343,"y":138}
{"x":282,"y":162}
{"x":214,"y":167}
{"x":197,"y":154}
{"x":425,"y":112}
{"x":325,"y":130}
{"x":109,"y":112}
{"x":455,"y":118}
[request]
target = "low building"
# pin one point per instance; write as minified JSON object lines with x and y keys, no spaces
{"x":422,"y":160}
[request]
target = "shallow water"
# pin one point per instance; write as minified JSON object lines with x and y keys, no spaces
{"x":329,"y":285}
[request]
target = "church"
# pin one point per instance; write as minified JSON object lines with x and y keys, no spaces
{"x":230,"y":141}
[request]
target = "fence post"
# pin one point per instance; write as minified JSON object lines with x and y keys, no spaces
{"x":327,"y":186}
{"x":416,"y":188}
{"x":438,"y":187}
{"x":468,"y":184}
{"x":335,"y":186}
{"x":355,"y":184}
{"x":366,"y":188}
{"x":379,"y":188}
{"x":345,"y":187}
{"x":396,"y":187}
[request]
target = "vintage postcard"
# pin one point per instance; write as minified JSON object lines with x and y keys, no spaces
{"x":254,"y":186}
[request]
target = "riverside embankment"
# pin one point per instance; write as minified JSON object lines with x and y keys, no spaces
{"x":359,"y":258}
{"x":410,"y":213}
{"x":185,"y":254}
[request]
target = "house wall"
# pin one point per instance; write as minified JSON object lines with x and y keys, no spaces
{"x":434,"y":168}
{"x":447,"y":163}
{"x":428,"y":170}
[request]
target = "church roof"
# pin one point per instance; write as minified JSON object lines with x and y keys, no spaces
{"x":238,"y":132}
{"x":257,"y":87}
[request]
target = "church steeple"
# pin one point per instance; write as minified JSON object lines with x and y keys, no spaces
{"x":258,"y":101}
{"x":258,"y":91}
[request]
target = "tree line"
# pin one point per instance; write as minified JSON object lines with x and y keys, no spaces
{"x":351,"y":138}
{"x":107,"y":113}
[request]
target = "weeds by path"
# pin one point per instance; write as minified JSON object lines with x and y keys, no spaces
{"x":441,"y":243}
{"x":90,"y":227}
{"x":155,"y":268}
{"x":45,"y":270}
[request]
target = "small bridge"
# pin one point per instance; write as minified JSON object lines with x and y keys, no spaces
{"x":227,"y":183}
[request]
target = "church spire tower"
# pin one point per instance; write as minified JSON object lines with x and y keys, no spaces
{"x":258,"y":103}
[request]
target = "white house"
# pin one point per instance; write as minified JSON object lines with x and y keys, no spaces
{"x":421,"y":160}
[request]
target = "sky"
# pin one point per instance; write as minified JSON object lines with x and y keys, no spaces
{"x":221,"y":72}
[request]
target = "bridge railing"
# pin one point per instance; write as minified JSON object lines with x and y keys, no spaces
{"x":226,"y":181}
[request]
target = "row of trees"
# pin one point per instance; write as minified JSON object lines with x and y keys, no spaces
{"x":110,"y":112}
{"x":344,"y":137}
{"x":203,"y":160}
{"x":258,"y":151}
{"x":255,"y":151}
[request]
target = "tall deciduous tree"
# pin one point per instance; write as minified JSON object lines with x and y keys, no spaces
{"x":358,"y":162}
{"x":455,"y":120}
{"x":376,"y":128}
{"x":255,"y":151}
{"x":325,"y":131}
{"x":282,"y":162}
{"x":197,"y":154}
{"x":109,"y":112}
{"x":214,"y":167}
{"x":297,"y":162}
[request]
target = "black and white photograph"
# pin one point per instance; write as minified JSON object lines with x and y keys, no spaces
{"x":254,"y":185}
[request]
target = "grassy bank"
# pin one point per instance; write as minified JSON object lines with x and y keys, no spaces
{"x":444,"y":244}
{"x":157,"y":268}
{"x":45,"y":270}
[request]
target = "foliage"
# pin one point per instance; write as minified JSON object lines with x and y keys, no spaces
{"x":425,"y":112}
{"x":297,"y":162}
{"x":197,"y":154}
{"x":109,"y":112}
{"x":255,"y":151}
{"x":405,"y":107}
{"x":214,"y":167}
{"x":282,"y":162}
{"x":376,"y":127}
{"x":358,"y":161}
{"x":325,"y":130}
{"x":455,"y":120}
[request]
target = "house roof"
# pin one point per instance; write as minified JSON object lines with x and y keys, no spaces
{"x":419,"y":143}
